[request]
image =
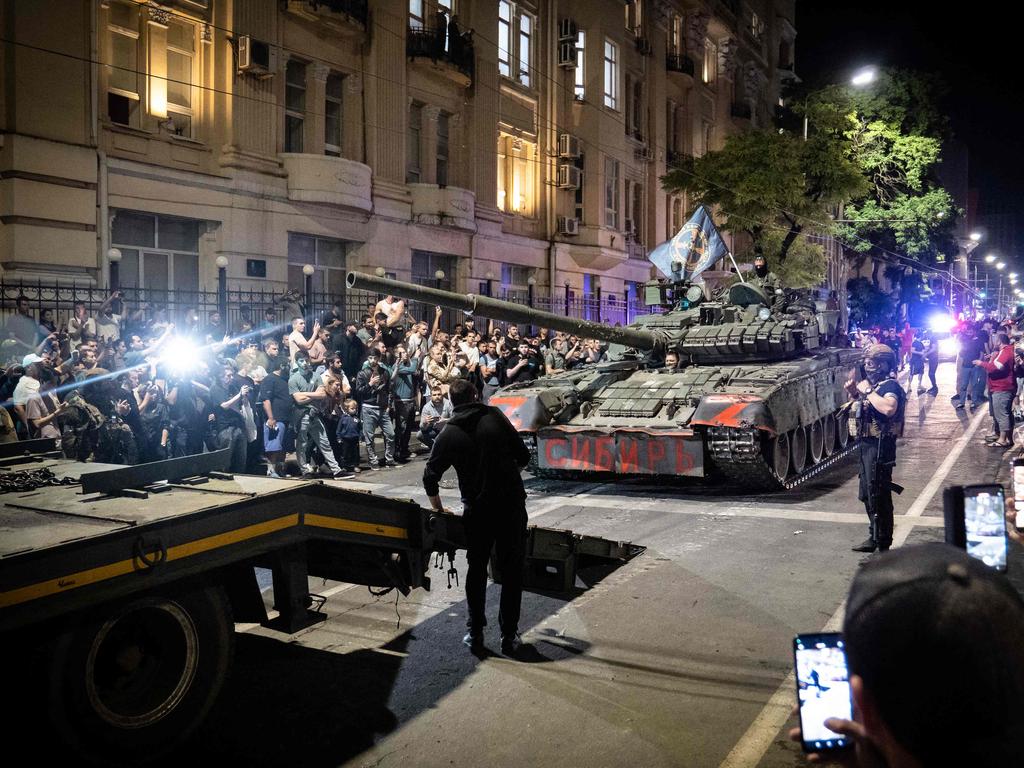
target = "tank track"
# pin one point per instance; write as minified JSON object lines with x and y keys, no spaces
{"x":738,"y":457}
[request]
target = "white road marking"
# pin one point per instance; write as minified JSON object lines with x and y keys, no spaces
{"x":759,"y":736}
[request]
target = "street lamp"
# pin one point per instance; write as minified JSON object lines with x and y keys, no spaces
{"x":490,"y":280}
{"x":975,"y":236}
{"x":439,"y":276}
{"x":530,"y":282}
{"x":864,"y":76}
{"x":989,"y":258}
{"x":308,"y":270}
{"x":222,"y":287}
{"x":1000,"y":265}
{"x":567,"y":284}
{"x":114,"y":257}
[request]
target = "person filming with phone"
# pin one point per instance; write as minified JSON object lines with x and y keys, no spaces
{"x":936,"y":664}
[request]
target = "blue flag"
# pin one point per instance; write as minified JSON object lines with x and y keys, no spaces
{"x":693,"y":249}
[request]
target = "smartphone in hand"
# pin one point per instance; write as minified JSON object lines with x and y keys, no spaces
{"x":822,"y":689}
{"x":975,"y":518}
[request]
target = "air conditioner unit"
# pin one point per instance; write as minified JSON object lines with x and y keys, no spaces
{"x":643,"y":154}
{"x":569,"y":176}
{"x":253,"y":56}
{"x":567,"y":30}
{"x":643,"y":45}
{"x":567,"y":55}
{"x":568,"y":146}
{"x":568,"y":225}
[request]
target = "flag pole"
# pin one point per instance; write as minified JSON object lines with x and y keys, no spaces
{"x":736,"y":267}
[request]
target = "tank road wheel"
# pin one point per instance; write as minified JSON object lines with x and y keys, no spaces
{"x":816,"y":441}
{"x":798,"y":443}
{"x":842,"y":430}
{"x":829,"y":430}
{"x":141,"y":676}
{"x":780,"y":456}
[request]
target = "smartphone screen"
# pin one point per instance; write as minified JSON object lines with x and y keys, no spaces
{"x":822,"y":689}
{"x":985,"y":524}
{"x":1017,"y":467}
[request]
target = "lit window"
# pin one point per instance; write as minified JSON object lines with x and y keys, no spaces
{"x":517,"y":175}
{"x":180,"y":67}
{"x":675,"y":35}
{"x":635,"y":17}
{"x":756,"y":27}
{"x":611,"y":193}
{"x":294,"y":105}
{"x":611,"y":74}
{"x":123,"y":67}
{"x":525,"y":37}
{"x":515,"y":42}
{"x":332,"y":114}
{"x":708,"y":71}
{"x":579,"y":83}
{"x":412,"y":144}
{"x":416,"y":14}
{"x":505,"y":13}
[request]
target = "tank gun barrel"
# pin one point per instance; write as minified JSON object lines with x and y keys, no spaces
{"x":508,"y":311}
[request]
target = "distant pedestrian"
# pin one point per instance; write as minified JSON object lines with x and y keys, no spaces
{"x":1002,"y":386}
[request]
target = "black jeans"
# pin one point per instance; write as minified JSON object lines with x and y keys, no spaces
{"x":503,"y":530}
{"x":877,"y":458}
{"x":405,"y":413}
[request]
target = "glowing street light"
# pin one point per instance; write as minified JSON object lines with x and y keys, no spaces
{"x":990,"y":258}
{"x":1000,"y":265}
{"x":864,"y":76}
{"x":975,"y":236}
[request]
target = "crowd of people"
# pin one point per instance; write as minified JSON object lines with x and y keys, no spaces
{"x":124,"y":385}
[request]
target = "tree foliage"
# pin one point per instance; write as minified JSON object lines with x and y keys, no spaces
{"x":868,"y":304}
{"x":777,"y":190}
{"x":873,"y":151}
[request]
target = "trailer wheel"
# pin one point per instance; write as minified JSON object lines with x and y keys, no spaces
{"x":137,"y":680}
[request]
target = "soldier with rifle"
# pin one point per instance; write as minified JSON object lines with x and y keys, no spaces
{"x":878,"y":405}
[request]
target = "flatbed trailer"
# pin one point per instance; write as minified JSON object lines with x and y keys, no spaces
{"x":127,"y":581}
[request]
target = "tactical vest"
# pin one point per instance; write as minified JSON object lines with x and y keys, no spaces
{"x":870,"y":423}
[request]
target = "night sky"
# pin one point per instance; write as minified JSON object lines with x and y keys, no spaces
{"x":975,"y":48}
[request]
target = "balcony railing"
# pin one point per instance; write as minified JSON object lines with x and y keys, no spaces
{"x":679,"y":62}
{"x":740,"y":111}
{"x":439,"y":46}
{"x":676,"y":159}
{"x":339,"y":15}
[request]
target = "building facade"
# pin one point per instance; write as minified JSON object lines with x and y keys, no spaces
{"x":472,"y":144}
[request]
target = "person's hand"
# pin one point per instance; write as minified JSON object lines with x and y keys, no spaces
{"x":437,"y":311}
{"x":123,"y":409}
{"x":316,"y":327}
{"x":61,"y":406}
{"x":863,"y":387}
{"x":244,"y":391}
{"x":1011,"y":523}
{"x":854,"y":731}
{"x":272,"y":422}
{"x":976,"y":362}
{"x":374,"y":380}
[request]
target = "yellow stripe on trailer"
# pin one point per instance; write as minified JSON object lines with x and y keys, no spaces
{"x":124,"y":567}
{"x":356,"y":526}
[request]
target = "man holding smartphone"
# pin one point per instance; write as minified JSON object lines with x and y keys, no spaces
{"x":881,"y":402}
{"x":936,"y":663}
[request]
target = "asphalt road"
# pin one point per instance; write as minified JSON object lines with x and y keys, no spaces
{"x":679,"y":658}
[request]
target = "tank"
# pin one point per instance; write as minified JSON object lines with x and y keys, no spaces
{"x":758,"y":399}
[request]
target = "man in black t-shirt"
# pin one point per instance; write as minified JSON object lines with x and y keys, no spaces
{"x":276,"y":402}
{"x":226,"y":397}
{"x":523,"y":364}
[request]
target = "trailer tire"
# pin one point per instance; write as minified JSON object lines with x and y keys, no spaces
{"x":128,"y":685}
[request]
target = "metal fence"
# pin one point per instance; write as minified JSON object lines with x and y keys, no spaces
{"x":60,"y":299}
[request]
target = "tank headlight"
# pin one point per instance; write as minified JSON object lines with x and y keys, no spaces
{"x":764,"y":313}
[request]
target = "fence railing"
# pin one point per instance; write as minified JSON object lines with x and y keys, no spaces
{"x":60,"y":299}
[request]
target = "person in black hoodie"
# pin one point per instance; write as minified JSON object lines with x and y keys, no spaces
{"x":487,"y":453}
